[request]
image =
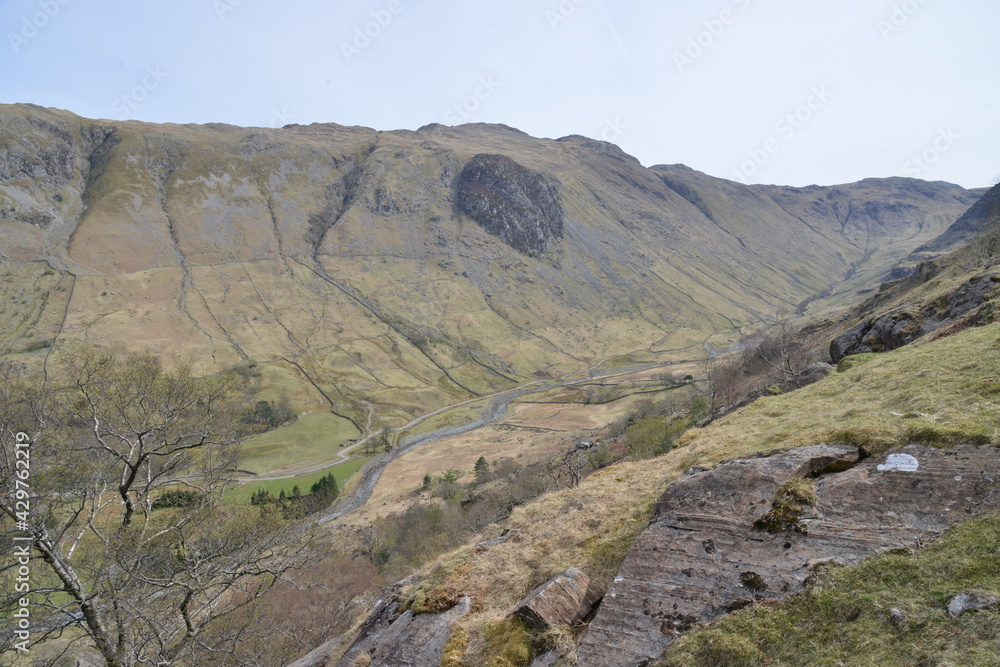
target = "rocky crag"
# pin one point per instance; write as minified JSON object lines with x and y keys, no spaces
{"x":755,"y":529}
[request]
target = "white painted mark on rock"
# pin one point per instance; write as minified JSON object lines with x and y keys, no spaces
{"x":902,"y":462}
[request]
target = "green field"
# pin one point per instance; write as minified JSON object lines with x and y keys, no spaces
{"x":312,"y":439}
{"x":342,"y":472}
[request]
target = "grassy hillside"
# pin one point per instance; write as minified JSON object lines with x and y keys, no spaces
{"x":337,"y":262}
{"x":939,"y":393}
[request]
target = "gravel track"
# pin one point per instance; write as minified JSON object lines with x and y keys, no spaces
{"x":371,"y":472}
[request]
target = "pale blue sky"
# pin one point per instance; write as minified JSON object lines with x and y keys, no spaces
{"x":772,"y":91}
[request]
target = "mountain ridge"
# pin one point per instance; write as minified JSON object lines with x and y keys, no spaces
{"x":345,"y":250}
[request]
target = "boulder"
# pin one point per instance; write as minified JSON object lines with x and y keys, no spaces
{"x":497,"y":541}
{"x":410,"y":640}
{"x":972,"y":601}
{"x":812,"y":373}
{"x":897,"y":619}
{"x":391,"y":637}
{"x":565,"y":599}
{"x":702,"y":555}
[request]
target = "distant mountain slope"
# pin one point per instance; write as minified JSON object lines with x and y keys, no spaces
{"x":877,"y":222}
{"x":356,"y":267}
{"x":982,"y":217}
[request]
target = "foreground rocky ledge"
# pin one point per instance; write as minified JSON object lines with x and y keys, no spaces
{"x":742,"y":531}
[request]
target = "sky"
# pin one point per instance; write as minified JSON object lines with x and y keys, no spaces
{"x":761,"y":91}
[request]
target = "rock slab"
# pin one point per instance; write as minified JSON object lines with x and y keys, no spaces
{"x":391,"y":638}
{"x":562,"y":600}
{"x":972,"y":601}
{"x":902,"y":327}
{"x":701,"y":556}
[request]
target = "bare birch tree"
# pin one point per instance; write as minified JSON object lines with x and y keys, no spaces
{"x":110,"y":435}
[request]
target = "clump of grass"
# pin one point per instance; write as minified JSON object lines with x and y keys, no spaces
{"x":847,"y":363}
{"x":936,"y":434}
{"x":509,"y":643}
{"x":789,"y":502}
{"x":433,"y":596}
{"x":873,"y":439}
{"x":455,"y":647}
{"x":843,"y":617}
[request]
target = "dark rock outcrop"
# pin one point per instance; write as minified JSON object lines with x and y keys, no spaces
{"x":565,"y":599}
{"x":702,"y":556}
{"x":812,"y":373}
{"x":406,"y":640}
{"x":876,"y":335}
{"x":511,"y":202}
{"x":901,"y":327}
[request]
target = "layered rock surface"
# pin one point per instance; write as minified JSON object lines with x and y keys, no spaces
{"x":702,"y":555}
{"x":391,"y":637}
{"x":563,"y":600}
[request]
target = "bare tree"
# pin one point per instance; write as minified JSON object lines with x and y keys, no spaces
{"x":984,"y":251}
{"x":109,"y":437}
{"x":726,"y":383}
{"x":568,"y":464}
{"x":780,"y":353}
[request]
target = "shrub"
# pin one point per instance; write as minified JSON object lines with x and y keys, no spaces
{"x":178,"y":499}
{"x":652,"y":436}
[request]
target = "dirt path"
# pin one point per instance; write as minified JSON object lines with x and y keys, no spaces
{"x":497,"y":408}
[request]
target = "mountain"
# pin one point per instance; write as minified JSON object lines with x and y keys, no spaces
{"x":851,"y":521}
{"x":388,"y":273}
{"x":982,"y":217}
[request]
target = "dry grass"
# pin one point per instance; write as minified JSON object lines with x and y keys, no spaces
{"x":941,"y":393}
{"x":531,"y":432}
{"x":589,"y":527}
